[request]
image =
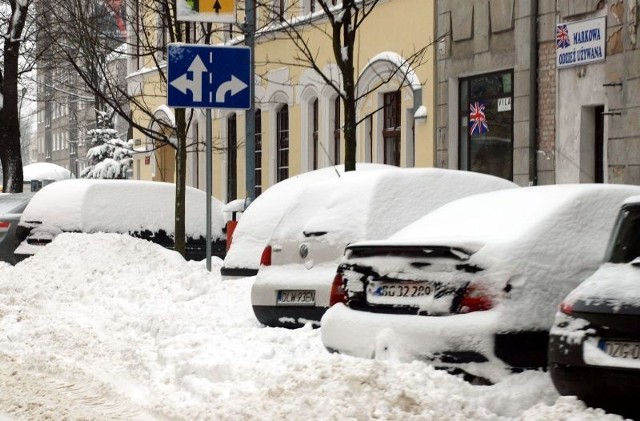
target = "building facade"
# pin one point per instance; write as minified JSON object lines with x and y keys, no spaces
{"x":66,"y":104}
{"x":539,"y":92}
{"x":299,"y":117}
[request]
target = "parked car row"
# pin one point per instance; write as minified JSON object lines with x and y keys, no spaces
{"x":293,"y":285}
{"x":466,"y":274}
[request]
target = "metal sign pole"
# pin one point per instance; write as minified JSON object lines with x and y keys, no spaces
{"x":208,"y":183}
{"x":250,"y":114}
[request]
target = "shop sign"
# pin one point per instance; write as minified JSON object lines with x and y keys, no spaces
{"x":580,"y":43}
{"x":504,"y":104}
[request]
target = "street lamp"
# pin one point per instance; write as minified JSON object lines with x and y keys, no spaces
{"x":22,"y":93}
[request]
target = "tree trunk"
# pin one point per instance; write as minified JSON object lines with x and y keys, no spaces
{"x":10,"y":155}
{"x":181,"y":180}
{"x":344,"y":38}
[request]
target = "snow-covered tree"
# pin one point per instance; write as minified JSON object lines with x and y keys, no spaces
{"x":109,"y":156}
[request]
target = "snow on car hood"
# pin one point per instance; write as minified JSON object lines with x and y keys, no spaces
{"x":120,"y":206}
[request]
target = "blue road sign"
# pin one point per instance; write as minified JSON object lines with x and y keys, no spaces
{"x":204,"y":76}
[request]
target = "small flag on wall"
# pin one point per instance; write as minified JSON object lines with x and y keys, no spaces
{"x":562,"y":36}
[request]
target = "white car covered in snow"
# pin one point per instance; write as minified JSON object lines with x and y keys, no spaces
{"x":473,"y":286}
{"x":143,"y":209}
{"x":298,"y":265}
{"x":263,"y":214}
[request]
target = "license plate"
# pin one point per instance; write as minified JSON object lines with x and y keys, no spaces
{"x":296,"y":298}
{"x":402,"y":292}
{"x":620,"y":349}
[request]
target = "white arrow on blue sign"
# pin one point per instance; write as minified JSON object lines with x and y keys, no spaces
{"x":204,"y":76}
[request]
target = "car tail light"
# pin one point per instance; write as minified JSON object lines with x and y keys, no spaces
{"x":338,"y":293}
{"x":566,"y":308}
{"x":4,"y":226}
{"x":265,"y":259}
{"x":475,"y":298}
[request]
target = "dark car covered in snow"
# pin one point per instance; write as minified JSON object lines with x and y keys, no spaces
{"x":594,"y":346}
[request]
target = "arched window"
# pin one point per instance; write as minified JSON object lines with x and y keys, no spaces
{"x":232,"y":158}
{"x":314,"y":135}
{"x":282,"y":143}
{"x":258,"y":153}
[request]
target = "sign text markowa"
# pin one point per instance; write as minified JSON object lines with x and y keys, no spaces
{"x":582,"y":42}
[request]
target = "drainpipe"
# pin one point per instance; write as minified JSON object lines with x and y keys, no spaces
{"x":533,"y":94}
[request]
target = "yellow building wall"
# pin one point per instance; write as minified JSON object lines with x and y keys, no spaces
{"x":396,"y":27}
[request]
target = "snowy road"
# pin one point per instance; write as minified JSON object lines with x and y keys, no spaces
{"x":107,"y":327}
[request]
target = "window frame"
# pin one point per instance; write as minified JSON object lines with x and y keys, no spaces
{"x":282,"y":143}
{"x":392,"y":128}
{"x":315,"y":112}
{"x":258,"y":152}
{"x":464,"y":137}
{"x":337,"y":129}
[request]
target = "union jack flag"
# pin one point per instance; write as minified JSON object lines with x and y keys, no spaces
{"x":562,"y":36}
{"x":477,"y":119}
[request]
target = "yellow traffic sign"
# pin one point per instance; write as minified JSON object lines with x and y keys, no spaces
{"x":222,"y":11}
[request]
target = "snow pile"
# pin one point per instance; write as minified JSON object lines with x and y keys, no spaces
{"x":105,"y":326}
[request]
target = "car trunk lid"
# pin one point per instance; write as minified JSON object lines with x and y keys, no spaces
{"x":424,"y":280}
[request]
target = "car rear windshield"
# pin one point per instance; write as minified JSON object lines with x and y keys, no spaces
{"x":409,"y":251}
{"x":625,"y":239}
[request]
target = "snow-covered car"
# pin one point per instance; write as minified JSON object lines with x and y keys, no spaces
{"x":252,"y":232}
{"x":42,"y":173}
{"x":594,"y":345}
{"x":473,"y":286}
{"x":143,"y":209}
{"x":11,"y":207}
{"x":293,"y":283}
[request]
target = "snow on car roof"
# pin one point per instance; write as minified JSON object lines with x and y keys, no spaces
{"x":353,"y":207}
{"x":261,"y":216}
{"x":505,"y":216}
{"x":398,"y":198}
{"x":44,"y":171}
{"x":120,"y":206}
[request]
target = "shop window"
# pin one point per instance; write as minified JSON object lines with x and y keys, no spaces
{"x":486,"y":124}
